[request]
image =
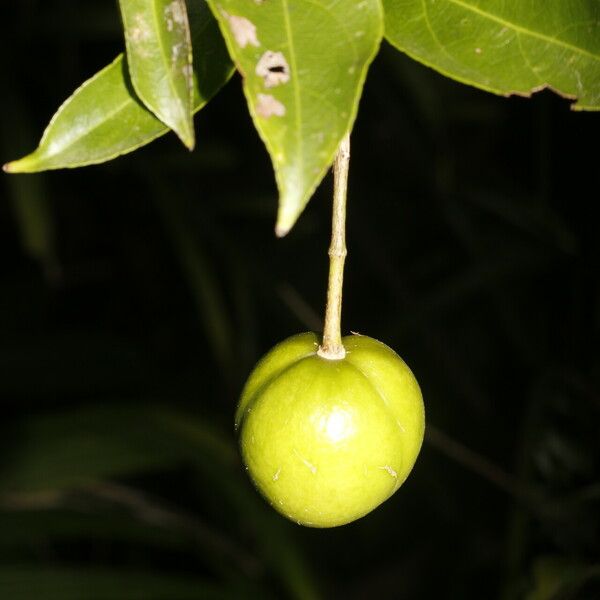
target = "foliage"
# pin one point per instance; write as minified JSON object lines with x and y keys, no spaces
{"x":104,"y":118}
{"x":137,"y":295}
{"x":505,"y":47}
{"x":303,"y":67}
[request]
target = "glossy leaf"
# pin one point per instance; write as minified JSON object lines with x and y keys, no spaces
{"x":505,"y":47}
{"x":159,"y":54}
{"x":304,"y":65}
{"x":104,"y":119}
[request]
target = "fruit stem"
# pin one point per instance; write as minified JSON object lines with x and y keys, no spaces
{"x":332,"y":347}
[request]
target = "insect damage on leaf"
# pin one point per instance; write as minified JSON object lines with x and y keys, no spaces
{"x":188,"y":73}
{"x":175,"y":52}
{"x":273,"y":68}
{"x":243,"y":30}
{"x":268,"y":106}
{"x":140,"y":32}
{"x":175,"y":14}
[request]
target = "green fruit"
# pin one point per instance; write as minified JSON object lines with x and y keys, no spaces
{"x":327,"y":441}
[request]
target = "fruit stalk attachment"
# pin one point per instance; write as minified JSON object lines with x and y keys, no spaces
{"x":332,"y":347}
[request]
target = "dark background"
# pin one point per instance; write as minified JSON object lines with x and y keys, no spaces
{"x":135,"y":297}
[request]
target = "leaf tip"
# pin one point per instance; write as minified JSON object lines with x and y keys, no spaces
{"x":286,"y":219}
{"x":14,"y":166}
{"x":281,"y":231}
{"x":291,"y":205}
{"x":184,"y":130}
{"x":188,"y":140}
{"x":27,"y":164}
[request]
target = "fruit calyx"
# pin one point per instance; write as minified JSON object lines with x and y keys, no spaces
{"x":338,"y":353}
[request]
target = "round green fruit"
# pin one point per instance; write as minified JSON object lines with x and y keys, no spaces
{"x":327,"y":441}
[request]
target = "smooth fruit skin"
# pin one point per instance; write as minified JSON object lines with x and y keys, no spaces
{"x":327,"y":441}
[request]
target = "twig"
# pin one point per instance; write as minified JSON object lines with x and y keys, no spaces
{"x":332,"y":347}
{"x":481,"y":466}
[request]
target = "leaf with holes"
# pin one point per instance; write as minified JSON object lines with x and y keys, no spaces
{"x":159,"y":54}
{"x":505,"y":47}
{"x":104,"y":119}
{"x":304,"y":64}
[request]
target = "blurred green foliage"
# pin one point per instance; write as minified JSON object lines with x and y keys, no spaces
{"x":137,"y":295}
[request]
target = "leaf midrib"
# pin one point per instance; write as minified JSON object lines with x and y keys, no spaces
{"x":89,"y":130}
{"x":434,"y":35}
{"x":181,"y":109}
{"x":295,"y":82}
{"x":523,"y":30}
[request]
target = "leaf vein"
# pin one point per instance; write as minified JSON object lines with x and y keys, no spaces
{"x":434,"y":36}
{"x":84,"y":133}
{"x":523,"y":30}
{"x":181,"y":109}
{"x":295,"y":82}
{"x":526,"y":59}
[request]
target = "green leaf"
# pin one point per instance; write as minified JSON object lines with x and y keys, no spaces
{"x":35,"y":221}
{"x":71,"y":449}
{"x":103,"y":118}
{"x":63,"y":583}
{"x":159,"y":54}
{"x":505,"y":47}
{"x":560,"y":578}
{"x":274,"y":534}
{"x":76,"y":447}
{"x":304,"y":66}
{"x":29,"y":197}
